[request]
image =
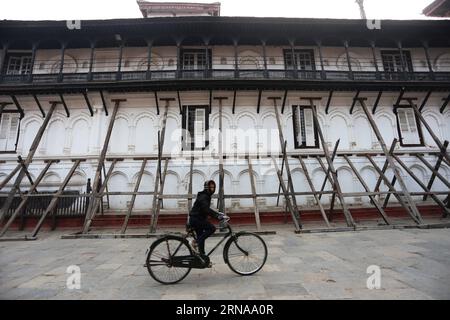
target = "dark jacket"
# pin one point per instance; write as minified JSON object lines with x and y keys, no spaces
{"x":201,"y":208}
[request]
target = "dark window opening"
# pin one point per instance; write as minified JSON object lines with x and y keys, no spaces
{"x":408,"y":127}
{"x":18,"y":63}
{"x":303,"y":59}
{"x":195,"y":59}
{"x":9,"y":131}
{"x":392,"y":61}
{"x":305,"y":131}
{"x":195,"y":128}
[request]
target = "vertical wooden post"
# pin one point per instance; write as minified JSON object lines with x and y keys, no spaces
{"x":347,"y":214}
{"x":149,"y":59}
{"x":32,"y":151}
{"x":91,"y":60}
{"x":375,"y":60}
{"x":93,"y":203}
{"x":158,"y":169}
{"x":54,"y":201}
{"x":311,"y":186}
{"x":61,"y":63}
{"x":266,"y":72}
{"x":295,"y":218}
{"x":286,"y":162}
{"x":236,"y":61}
{"x":322,"y":67}
{"x":253,"y":186}
{"x":221,"y":172}
{"x":159,"y":202}
{"x":349,"y":62}
{"x":189,"y":206}
{"x":133,"y":197}
{"x":415,"y":214}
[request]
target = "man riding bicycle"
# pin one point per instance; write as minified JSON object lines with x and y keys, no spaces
{"x":198,"y":216}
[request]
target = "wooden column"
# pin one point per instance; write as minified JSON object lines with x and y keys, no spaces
{"x":322,"y":66}
{"x":159,"y":202}
{"x":349,"y":62}
{"x":415,"y":214}
{"x":91,"y":210}
{"x":28,"y":160}
{"x":253,"y":186}
{"x":54,"y":201}
{"x":295,"y":218}
{"x":133,"y":197}
{"x":119,"y":66}
{"x":158,"y":180}
{"x":191,"y":172}
{"x":427,"y":56}
{"x":33,"y":59}
{"x":25,"y":197}
{"x":236,"y":60}
{"x":149,"y":59}
{"x":61,"y":63}
{"x":220,"y":142}
{"x":91,"y":60}
{"x":375,"y":60}
{"x":347,"y":214}
{"x":3,"y":59}
{"x":313,"y":189}
{"x":286,"y":162}
{"x":266,"y":73}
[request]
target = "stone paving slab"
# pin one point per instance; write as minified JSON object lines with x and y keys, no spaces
{"x":414,"y":264}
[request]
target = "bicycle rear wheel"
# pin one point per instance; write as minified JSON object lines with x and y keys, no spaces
{"x":159,"y":259}
{"x":245,"y":253}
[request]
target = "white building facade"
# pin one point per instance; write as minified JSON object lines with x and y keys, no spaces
{"x":193,"y":61}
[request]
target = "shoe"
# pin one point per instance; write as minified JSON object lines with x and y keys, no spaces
{"x":194,"y":246}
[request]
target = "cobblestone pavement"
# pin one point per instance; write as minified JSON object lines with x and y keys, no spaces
{"x":415,"y":264}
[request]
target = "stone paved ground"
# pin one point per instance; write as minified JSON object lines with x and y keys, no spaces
{"x":415,"y":264}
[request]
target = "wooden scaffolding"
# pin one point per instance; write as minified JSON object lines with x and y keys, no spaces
{"x":94,"y":200}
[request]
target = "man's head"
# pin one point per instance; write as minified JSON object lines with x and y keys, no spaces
{"x":210,"y":186}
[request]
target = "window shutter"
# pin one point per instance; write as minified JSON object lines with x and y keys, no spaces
{"x":4,"y":128}
{"x":309,"y":127}
{"x":411,"y":120}
{"x":296,"y":126}
{"x":190,"y":127}
{"x":403,"y":121}
{"x":13,"y":130}
{"x":408,"y":126}
{"x":199,"y":129}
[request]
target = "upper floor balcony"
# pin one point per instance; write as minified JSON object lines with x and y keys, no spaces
{"x":73,"y":65}
{"x":225,"y":49}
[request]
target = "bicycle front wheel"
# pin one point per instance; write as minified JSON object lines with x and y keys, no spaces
{"x":160,"y":256}
{"x":245,"y":253}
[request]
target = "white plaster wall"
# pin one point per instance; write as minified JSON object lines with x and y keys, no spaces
{"x":137,"y":124}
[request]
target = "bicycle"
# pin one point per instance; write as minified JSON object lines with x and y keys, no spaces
{"x":171,"y":258}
